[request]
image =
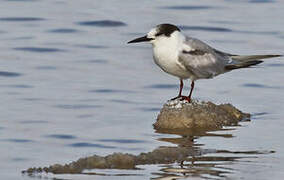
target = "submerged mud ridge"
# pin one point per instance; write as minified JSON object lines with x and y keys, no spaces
{"x":181,"y":115}
{"x":176,"y":117}
{"x":162,"y":155}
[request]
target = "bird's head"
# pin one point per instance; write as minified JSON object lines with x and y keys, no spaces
{"x":159,"y":33}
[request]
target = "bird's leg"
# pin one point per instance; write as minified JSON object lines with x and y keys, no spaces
{"x":188,"y":98}
{"x":180,"y":90}
{"x":191,"y":90}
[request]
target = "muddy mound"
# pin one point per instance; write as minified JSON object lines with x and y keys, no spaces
{"x":161,"y":155}
{"x":181,"y":115}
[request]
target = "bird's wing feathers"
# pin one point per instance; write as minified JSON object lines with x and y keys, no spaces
{"x":202,"y":60}
{"x":206,"y":62}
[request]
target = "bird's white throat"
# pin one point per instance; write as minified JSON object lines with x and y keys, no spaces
{"x":166,"y":51}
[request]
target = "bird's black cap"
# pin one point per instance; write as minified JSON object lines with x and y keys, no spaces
{"x":162,"y":29}
{"x":166,"y":29}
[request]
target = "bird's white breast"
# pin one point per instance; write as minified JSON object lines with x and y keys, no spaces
{"x":166,"y":52}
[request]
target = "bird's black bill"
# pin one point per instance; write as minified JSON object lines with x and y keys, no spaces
{"x":141,"y":39}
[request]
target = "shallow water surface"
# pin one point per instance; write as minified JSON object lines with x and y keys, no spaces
{"x":71,"y":87}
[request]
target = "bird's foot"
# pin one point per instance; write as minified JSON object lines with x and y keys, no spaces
{"x":185,"y":98}
{"x":181,"y":98}
{"x":176,"y":98}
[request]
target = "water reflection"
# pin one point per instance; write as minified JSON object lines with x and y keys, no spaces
{"x":201,"y":162}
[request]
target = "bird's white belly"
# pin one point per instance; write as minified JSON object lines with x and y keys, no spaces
{"x":168,"y":63}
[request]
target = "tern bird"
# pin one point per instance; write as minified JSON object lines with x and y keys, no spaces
{"x":189,"y":58}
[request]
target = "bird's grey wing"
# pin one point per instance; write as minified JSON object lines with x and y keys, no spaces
{"x":202,"y":60}
{"x":216,"y":61}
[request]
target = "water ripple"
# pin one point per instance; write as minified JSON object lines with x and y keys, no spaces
{"x":221,"y":29}
{"x":110,"y":91}
{"x":77,"y":106}
{"x":259,"y":32}
{"x":150,"y":109}
{"x":90,"y":46}
{"x":274,"y":64}
{"x":61,"y":136}
{"x":98,"y":61}
{"x":84,"y":144}
{"x":102,"y":23}
{"x":85,"y":116}
{"x":38,"y":50}
{"x":19,"y":140}
{"x":46,"y":67}
{"x":17,"y":159}
{"x":187,"y":7}
{"x":63,"y":30}
{"x":254,"y":85}
{"x":21,"y":19}
{"x":262,"y":1}
{"x":33,"y":122}
{"x":22,"y":38}
{"x":18,"y":86}
{"x":32,"y":99}
{"x":162,"y":86}
{"x":122,"y":101}
{"x":22,"y":0}
{"x":9,"y":74}
{"x":206,"y":28}
{"x":123,"y":141}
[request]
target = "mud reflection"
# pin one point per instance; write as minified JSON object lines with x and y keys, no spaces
{"x":202,"y":163}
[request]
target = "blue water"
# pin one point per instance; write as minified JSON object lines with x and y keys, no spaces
{"x":71,"y":87}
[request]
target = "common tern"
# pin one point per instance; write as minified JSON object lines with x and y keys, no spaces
{"x":189,"y":58}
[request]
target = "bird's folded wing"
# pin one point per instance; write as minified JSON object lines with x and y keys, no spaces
{"x":202,"y":60}
{"x":201,"y":64}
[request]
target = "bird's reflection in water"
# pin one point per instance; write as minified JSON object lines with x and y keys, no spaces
{"x":200,"y":162}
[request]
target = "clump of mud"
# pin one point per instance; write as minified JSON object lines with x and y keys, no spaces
{"x":181,"y":115}
{"x":161,"y":155}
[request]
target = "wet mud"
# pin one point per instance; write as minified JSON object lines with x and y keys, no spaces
{"x":198,"y":115}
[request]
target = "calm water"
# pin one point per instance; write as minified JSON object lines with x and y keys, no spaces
{"x":71,"y":87}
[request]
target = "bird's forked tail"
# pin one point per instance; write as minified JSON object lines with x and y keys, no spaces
{"x":247,"y":61}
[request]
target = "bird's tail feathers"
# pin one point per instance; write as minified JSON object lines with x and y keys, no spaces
{"x":247,"y":61}
{"x":253,"y":57}
{"x":242,"y":65}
